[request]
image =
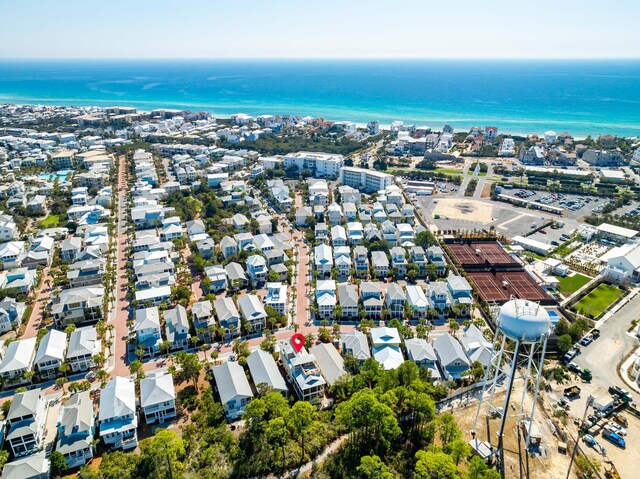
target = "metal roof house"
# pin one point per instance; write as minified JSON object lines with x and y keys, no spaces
{"x":355,"y":343}
{"x":26,"y":422}
{"x":117,"y":415}
{"x":50,"y":353}
{"x":177,"y":327}
{"x":303,"y":372}
{"x":423,"y":354}
{"x":228,"y":315}
{"x":264,"y":370}
{"x":83,"y":345}
{"x":253,"y":312}
{"x":76,"y":428}
{"x":453,"y":361}
{"x":233,"y":387}
{"x":32,"y":467}
{"x":17,"y":360}
{"x":157,"y":398}
{"x":329,"y":361}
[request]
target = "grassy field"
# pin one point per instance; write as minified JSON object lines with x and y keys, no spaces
{"x":449,"y":171}
{"x":598,"y":300}
{"x":571,"y":284}
{"x":50,"y":221}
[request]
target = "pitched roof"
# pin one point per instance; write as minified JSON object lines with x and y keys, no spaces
{"x":155,"y":389}
{"x":52,"y":346}
{"x":264,"y":369}
{"x":356,"y":343}
{"x":231,"y":381}
{"x":118,"y":398}
{"x":329,"y":361}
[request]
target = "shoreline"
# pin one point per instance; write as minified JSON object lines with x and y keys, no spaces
{"x":145,"y":107}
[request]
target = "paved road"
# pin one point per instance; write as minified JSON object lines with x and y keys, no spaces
{"x":120,"y":316}
{"x":603,"y":355}
{"x":43,"y":294}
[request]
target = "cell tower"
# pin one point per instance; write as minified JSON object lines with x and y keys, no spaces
{"x":527,"y":325}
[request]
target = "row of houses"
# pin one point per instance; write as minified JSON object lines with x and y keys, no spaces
{"x":310,"y":371}
{"x":115,"y":420}
{"x":413,"y":301}
{"x":45,"y":358}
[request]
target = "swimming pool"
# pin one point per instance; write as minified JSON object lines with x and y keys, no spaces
{"x":61,"y":175}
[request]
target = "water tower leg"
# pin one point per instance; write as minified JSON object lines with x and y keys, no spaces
{"x":527,"y":376}
{"x":535,"y":394}
{"x":503,"y":419}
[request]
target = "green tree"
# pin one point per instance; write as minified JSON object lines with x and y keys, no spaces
{"x":135,"y":369}
{"x":435,"y":465}
{"x":372,"y":467}
{"x":564,"y":343}
{"x":164,"y":453}
{"x":58,"y":463}
{"x":458,"y":450}
{"x":191,"y":366}
{"x":447,"y":428}
{"x":478,"y":469}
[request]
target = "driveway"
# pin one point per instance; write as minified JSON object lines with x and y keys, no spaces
{"x":605,"y":353}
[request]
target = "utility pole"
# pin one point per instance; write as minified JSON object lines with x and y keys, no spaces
{"x":590,"y":400}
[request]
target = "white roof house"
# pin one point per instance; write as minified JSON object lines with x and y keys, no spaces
{"x":233,"y":387}
{"x":157,"y":397}
{"x":117,"y":413}
{"x":263,"y":369}
{"x":385,"y":336}
{"x":51,"y":350}
{"x":329,"y":361}
{"x":386,"y":347}
{"x":355,"y":342}
{"x":31,"y":467}
{"x":18,"y":358}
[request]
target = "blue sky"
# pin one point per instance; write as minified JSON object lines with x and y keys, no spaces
{"x":320,"y":29}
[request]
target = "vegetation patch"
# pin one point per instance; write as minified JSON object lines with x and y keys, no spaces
{"x":598,"y":300}
{"x":50,"y":221}
{"x":570,"y":284}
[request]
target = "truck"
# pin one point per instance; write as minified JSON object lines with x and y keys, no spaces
{"x":620,"y":419}
{"x":614,"y":438}
{"x":621,"y":393}
{"x":569,"y":355}
{"x":586,"y":375}
{"x":572,"y":392}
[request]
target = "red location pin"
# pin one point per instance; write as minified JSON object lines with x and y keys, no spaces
{"x":297,"y":341}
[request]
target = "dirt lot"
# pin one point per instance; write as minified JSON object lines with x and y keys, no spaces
{"x":547,"y":463}
{"x":625,"y":460}
{"x":463,"y":209}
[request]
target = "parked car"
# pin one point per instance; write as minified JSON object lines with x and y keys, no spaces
{"x":590,"y":440}
{"x":614,"y":438}
{"x":621,"y":419}
{"x":617,"y":428}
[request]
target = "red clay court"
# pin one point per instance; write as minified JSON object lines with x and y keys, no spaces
{"x":480,"y":253}
{"x":518,"y":284}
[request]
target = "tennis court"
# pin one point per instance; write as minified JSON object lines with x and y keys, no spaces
{"x":480,"y":253}
{"x":501,"y":286}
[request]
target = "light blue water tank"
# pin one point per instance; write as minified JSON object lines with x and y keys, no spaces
{"x":523,"y":320}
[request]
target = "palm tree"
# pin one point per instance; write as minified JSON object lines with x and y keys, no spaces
{"x":60,"y":382}
{"x":103,"y":377}
{"x":454,"y":326}
{"x":64,"y":368}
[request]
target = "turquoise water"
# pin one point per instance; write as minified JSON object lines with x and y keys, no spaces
{"x":582,"y":97}
{"x":61,"y":175}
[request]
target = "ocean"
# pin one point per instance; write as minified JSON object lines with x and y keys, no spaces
{"x":581,"y":97}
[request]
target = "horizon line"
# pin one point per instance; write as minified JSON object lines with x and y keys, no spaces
{"x":355,"y":58}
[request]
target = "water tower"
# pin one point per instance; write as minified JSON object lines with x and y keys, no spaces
{"x":519,"y":347}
